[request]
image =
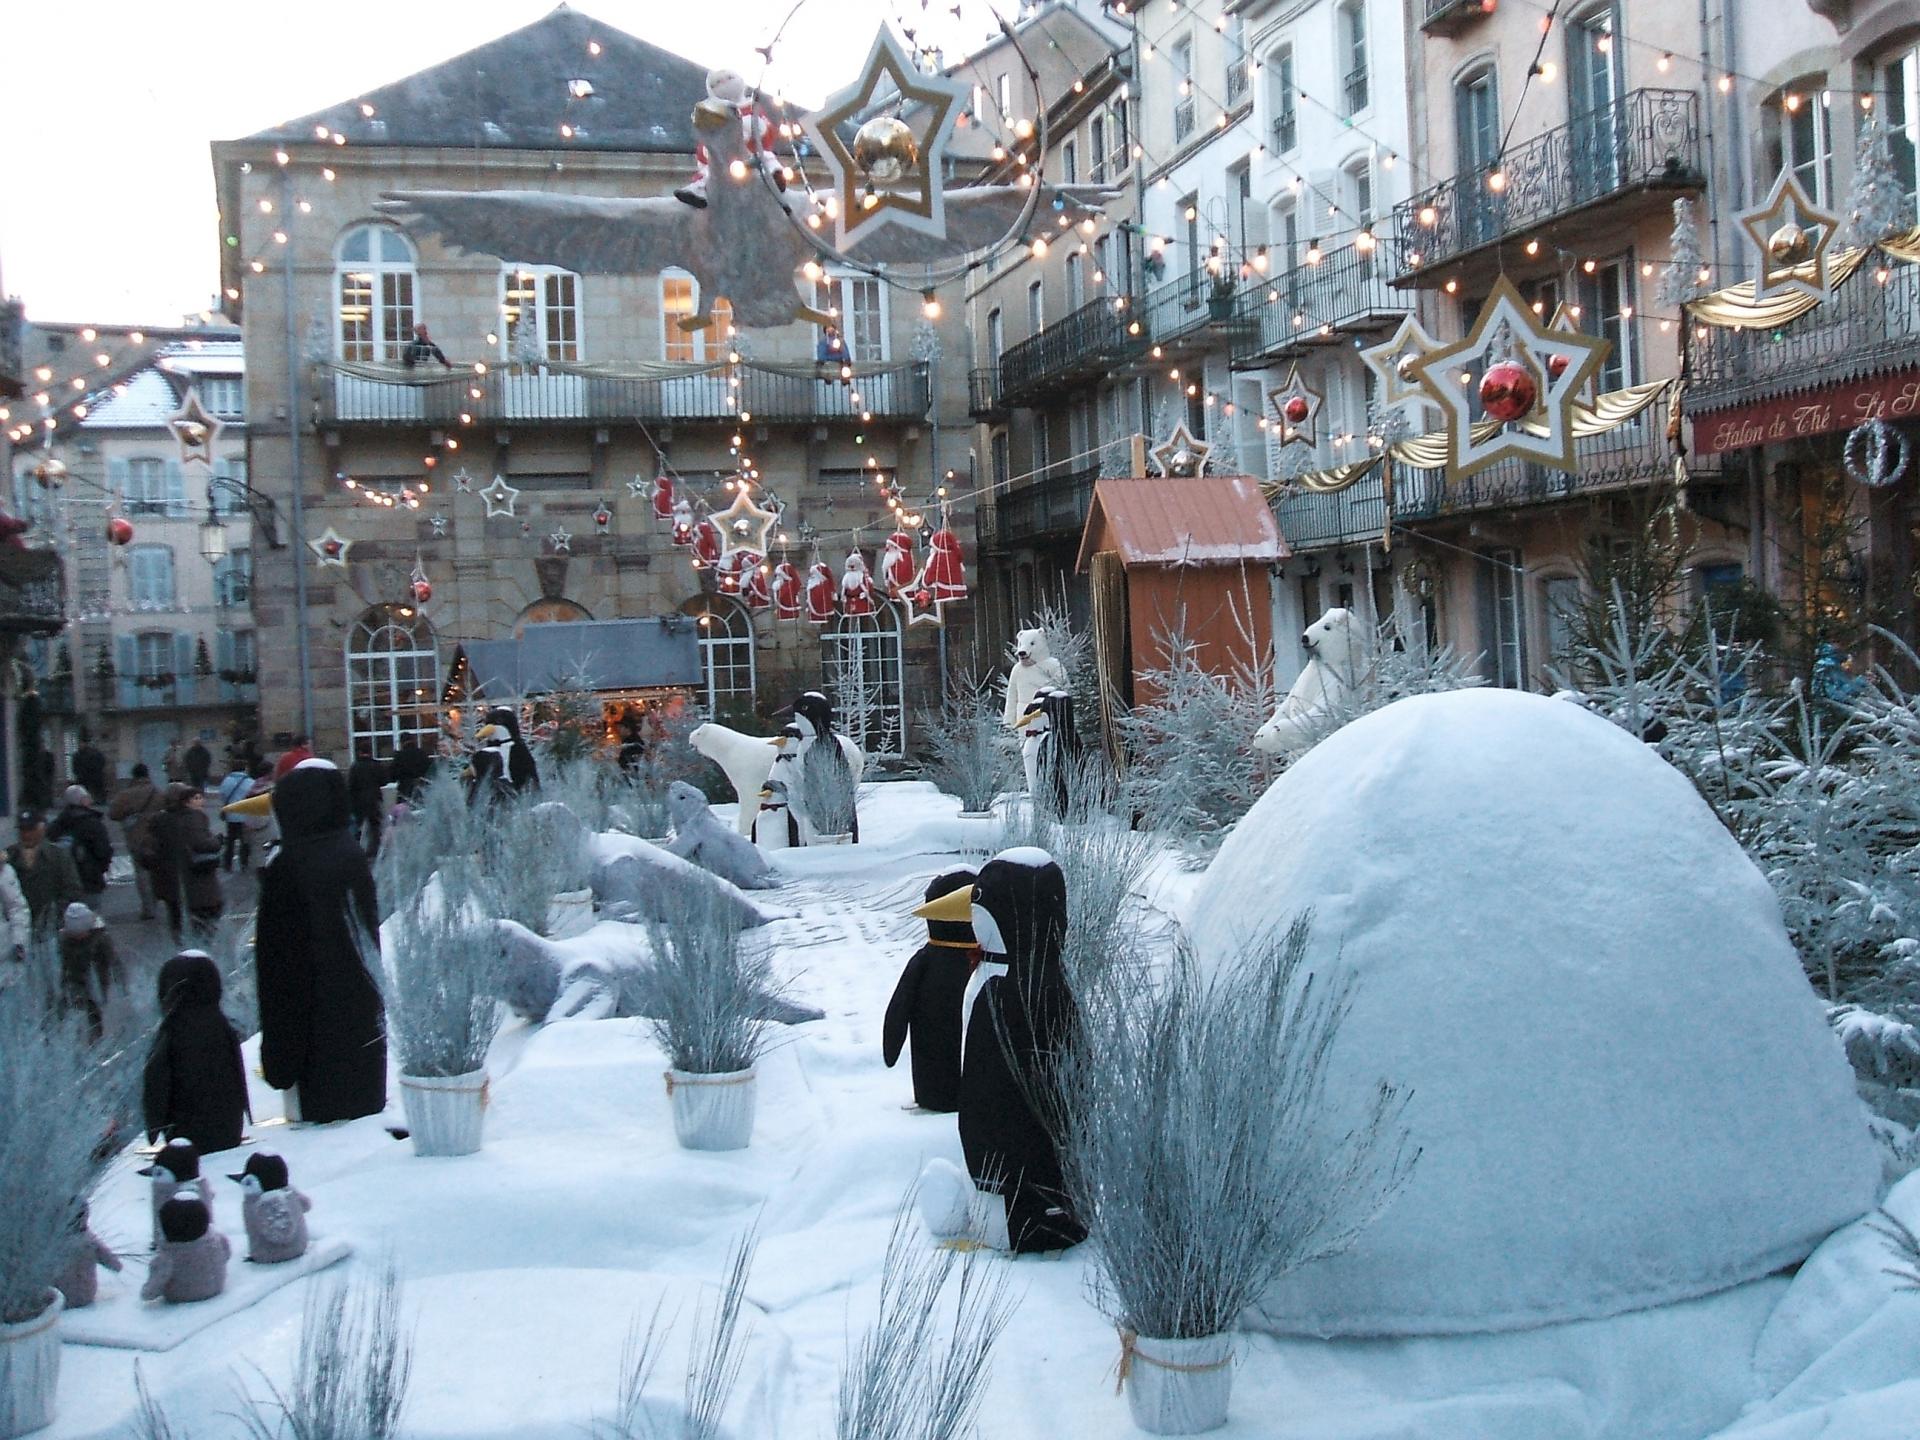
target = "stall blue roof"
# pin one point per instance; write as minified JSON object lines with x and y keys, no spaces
{"x":601,"y":654}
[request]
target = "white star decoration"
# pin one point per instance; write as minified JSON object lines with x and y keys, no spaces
{"x":463,"y":481}
{"x":640,"y":485}
{"x":331,"y":547}
{"x":438,"y":522}
{"x":500,"y":497}
{"x":1297,"y":406}
{"x":561,"y":539}
{"x":932,"y":613}
{"x":1181,"y":454}
{"x":1392,"y":361}
{"x":194,"y":430}
{"x":745,"y":525}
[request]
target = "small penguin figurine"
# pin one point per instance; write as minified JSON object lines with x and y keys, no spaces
{"x":1019,"y":1012}
{"x":175,"y":1172}
{"x":79,"y":1283}
{"x":1049,"y":744}
{"x":190,"y":1262}
{"x":926,"y":1003}
{"x":522,"y":772}
{"x":783,"y":778}
{"x":820,"y":745}
{"x":774,"y":825}
{"x":274,"y":1213}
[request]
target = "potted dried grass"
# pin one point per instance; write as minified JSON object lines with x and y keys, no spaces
{"x":710,"y":999}
{"x":827,"y":796}
{"x":969,"y":752}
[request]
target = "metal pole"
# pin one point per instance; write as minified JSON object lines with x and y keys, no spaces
{"x":933,"y":451}
{"x":298,"y":508}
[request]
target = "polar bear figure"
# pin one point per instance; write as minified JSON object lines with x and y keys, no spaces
{"x":1335,"y":652}
{"x":1034,"y":669}
{"x":747,"y":760}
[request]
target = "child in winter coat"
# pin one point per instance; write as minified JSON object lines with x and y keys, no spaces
{"x":191,"y":1261}
{"x":79,"y":1283}
{"x":196,"y":1084}
{"x":89,"y":968}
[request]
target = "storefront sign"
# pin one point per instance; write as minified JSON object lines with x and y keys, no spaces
{"x":1812,"y":412}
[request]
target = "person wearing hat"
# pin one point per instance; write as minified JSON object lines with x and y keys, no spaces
{"x":81,"y":830}
{"x":89,"y":967}
{"x":46,"y":873}
{"x":186,"y":871}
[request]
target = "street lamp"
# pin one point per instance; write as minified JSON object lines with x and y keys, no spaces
{"x":213,"y":536}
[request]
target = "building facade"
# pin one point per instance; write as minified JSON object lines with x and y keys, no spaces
{"x":573,"y":393}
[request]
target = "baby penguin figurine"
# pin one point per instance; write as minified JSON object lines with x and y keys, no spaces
{"x":191,"y":1262}
{"x":86,"y":1253}
{"x":175,"y":1172}
{"x":274,"y":1213}
{"x":926,"y":1004}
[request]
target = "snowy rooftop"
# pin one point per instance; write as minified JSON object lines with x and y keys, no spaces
{"x":1197,"y":520}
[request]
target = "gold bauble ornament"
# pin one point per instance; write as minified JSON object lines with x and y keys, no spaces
{"x":1184,"y":462}
{"x":885,"y":150}
{"x":51,"y":473}
{"x":1790,"y":245}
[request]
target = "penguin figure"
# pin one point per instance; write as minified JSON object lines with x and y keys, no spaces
{"x":274,"y":1213}
{"x":821,"y":744}
{"x":487,"y":782}
{"x":1019,"y":1014}
{"x":522,"y":773}
{"x":190,"y":1262}
{"x":777,"y":825}
{"x":926,"y":1003}
{"x":79,"y":1283}
{"x":1049,"y":744}
{"x":175,"y":1173}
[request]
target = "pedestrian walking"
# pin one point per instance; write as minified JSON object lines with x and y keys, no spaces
{"x":187,"y":875}
{"x":81,"y":830}
{"x":133,"y":810}
{"x":237,"y":784}
{"x":46,"y":874}
{"x":89,"y":967}
{"x":199,"y":763}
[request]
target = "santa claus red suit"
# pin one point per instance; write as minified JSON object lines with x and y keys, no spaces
{"x":787,"y":591}
{"x":706,"y":542}
{"x":896,"y":563}
{"x":820,"y":593}
{"x":753,"y":584}
{"x":729,"y":88}
{"x":946,"y":574}
{"x":663,"y":506}
{"x":856,"y":587}
{"x":682,"y":523}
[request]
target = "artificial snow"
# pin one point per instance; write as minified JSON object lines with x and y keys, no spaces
{"x":119,"y":1318}
{"x":1623,"y":1089}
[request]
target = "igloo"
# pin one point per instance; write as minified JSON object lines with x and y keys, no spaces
{"x":1623,"y":1088}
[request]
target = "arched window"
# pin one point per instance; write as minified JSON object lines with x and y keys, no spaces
{"x":393,"y":681}
{"x":726,"y":653}
{"x":374,"y":285}
{"x":861,"y":670}
{"x":549,"y":612}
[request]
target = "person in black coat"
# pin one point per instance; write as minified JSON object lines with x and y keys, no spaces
{"x":412,"y":768}
{"x":81,"y":829}
{"x":366,"y":777}
{"x":522,"y":772}
{"x":926,"y":1003}
{"x":90,"y":767}
{"x":199,"y":763}
{"x":1020,"y":1015}
{"x":322,"y":1026}
{"x":196,"y":1083}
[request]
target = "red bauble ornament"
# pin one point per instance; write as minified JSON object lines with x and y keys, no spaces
{"x":332,"y":548}
{"x":119,"y":530}
{"x":1556,"y":366}
{"x":422,"y":591}
{"x":663,"y":497}
{"x":1507,"y":391}
{"x":602,"y":518}
{"x":1295,"y":410}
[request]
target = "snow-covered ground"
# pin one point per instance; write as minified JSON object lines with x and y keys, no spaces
{"x":525,"y":1265}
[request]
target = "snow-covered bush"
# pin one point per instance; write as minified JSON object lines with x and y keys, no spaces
{"x":969,"y":753}
{"x":1194,"y":1139}
{"x":441,"y":976}
{"x":666,"y":754}
{"x":531,"y":851}
{"x":1072,"y":648}
{"x":65,"y":1109}
{"x":713,"y":1364}
{"x":351,"y":1371}
{"x":708,"y":988}
{"x":438,"y":826}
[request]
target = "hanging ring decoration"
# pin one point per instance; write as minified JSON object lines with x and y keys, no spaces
{"x":1877,"y":454}
{"x":1418,"y":577}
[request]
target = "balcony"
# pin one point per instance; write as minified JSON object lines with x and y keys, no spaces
{"x":1347,"y":293}
{"x":1628,"y":156}
{"x":1051,"y":508}
{"x":1866,"y":328}
{"x":13,"y":364}
{"x":984,"y":394}
{"x":1450,"y":17}
{"x":1355,"y":90}
{"x":1286,"y":131}
{"x":1320,"y":520}
{"x":1236,"y":81}
{"x":1090,"y":341}
{"x":390,"y":395}
{"x":32,"y":593}
{"x":1182,"y":120}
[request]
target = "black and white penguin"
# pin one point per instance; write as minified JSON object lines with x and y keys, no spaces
{"x":274,"y":1213}
{"x":1049,"y":745}
{"x":175,"y":1172}
{"x":777,"y":825}
{"x":487,"y":782}
{"x":522,"y":773}
{"x":926,"y":1004}
{"x":1019,"y":1014}
{"x":821,"y":744}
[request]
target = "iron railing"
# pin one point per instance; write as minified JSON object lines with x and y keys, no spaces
{"x":1089,"y":341}
{"x":1348,"y":291}
{"x":1355,"y":90}
{"x":33,"y":595}
{"x":984,"y":392}
{"x":1317,"y":520}
{"x":1286,"y":130}
{"x":1650,"y":139}
{"x":1867,"y":327}
{"x":510,"y":394}
{"x":1182,"y":119}
{"x":1446,"y":17}
{"x":1236,"y":80}
{"x":1047,"y":508}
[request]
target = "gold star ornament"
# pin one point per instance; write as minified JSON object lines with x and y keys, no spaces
{"x":891,"y":171}
{"x":1508,"y":388}
{"x":1791,"y":235}
{"x":1296,"y":405}
{"x":1181,"y":453}
{"x":1392,"y":361}
{"x":194,"y":431}
{"x":745,"y":525}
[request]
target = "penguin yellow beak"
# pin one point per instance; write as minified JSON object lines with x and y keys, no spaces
{"x":766,"y":794}
{"x":487,"y":734}
{"x":955,"y":905}
{"x":254,"y":807}
{"x":779,"y":742}
{"x":1032,"y":715}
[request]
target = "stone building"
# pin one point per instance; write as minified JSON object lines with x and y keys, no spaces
{"x":564,"y":396}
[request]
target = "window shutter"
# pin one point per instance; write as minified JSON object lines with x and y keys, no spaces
{"x":117,"y":477}
{"x":183,"y":677}
{"x":127,"y":660}
{"x":176,"y":489}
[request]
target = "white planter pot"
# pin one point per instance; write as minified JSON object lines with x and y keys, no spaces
{"x":1177,"y":1387}
{"x":976,"y":814}
{"x":570,"y":913}
{"x":712,"y":1112}
{"x":30,"y":1370}
{"x":444,"y":1112}
{"x":844,"y":837}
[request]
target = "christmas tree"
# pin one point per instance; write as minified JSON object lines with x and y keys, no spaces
{"x":1682,"y":281}
{"x":1875,"y":202}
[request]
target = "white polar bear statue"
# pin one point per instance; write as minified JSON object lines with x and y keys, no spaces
{"x":748,"y":760}
{"x":1034,"y":669}
{"x":1335,"y":653}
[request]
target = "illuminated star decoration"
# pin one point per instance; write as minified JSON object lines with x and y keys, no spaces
{"x":917,"y":200}
{"x":194,"y":431}
{"x":745,"y":525}
{"x":561,"y":539}
{"x":1450,"y":376}
{"x":500,"y":497}
{"x":1296,"y":405}
{"x":463,"y":481}
{"x":640,"y":485}
{"x":921,"y":607}
{"x":1392,"y":361}
{"x":439,"y":523}
{"x":1802,"y":231}
{"x":331,"y":547}
{"x":1181,"y":454}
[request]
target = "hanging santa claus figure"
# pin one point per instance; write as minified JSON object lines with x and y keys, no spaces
{"x":856,"y":587}
{"x":820,"y":593}
{"x":788,"y":591}
{"x":946,"y":575}
{"x":682,"y":523}
{"x":753,"y":585}
{"x":706,"y":542}
{"x":663,"y":506}
{"x":897,"y":567}
{"x":728,"y":90}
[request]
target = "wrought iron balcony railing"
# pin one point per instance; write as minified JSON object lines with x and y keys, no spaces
{"x":544,"y":395}
{"x":1237,"y":80}
{"x":1050,"y":507}
{"x":1182,"y":119}
{"x":984,"y":394}
{"x":32,"y":592}
{"x":1286,"y":131}
{"x":1356,"y":91}
{"x":1867,"y":327}
{"x":1649,"y":140}
{"x":1315,"y":520}
{"x":1449,"y":17}
{"x":1347,"y":292}
{"x":1089,"y":341}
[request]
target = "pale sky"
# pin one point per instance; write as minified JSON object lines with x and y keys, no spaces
{"x":108,"y":109}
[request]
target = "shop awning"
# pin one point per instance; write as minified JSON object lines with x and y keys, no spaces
{"x":596,"y":655}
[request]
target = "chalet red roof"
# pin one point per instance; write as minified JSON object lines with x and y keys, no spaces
{"x":1196,"y":520}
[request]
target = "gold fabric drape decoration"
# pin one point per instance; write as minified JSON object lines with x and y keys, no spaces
{"x":1734,"y":307}
{"x":390,"y":373}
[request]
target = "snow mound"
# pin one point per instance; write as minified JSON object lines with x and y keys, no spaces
{"x":1624,"y":1091}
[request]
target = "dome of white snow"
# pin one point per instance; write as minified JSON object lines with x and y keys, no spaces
{"x":1623,"y":1087}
